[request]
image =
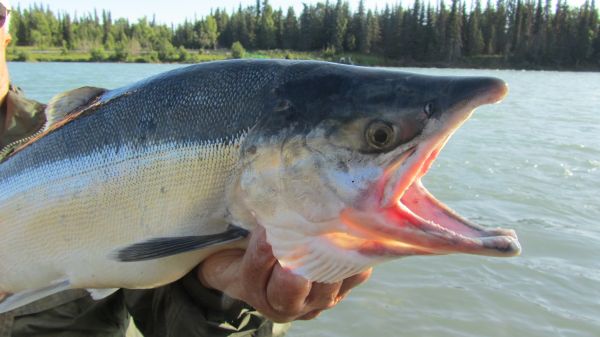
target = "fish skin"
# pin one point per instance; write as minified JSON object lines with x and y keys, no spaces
{"x":191,"y":151}
{"x":74,"y":177}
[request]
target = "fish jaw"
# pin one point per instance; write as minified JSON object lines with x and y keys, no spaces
{"x":327,"y":221}
{"x":421,"y":225}
{"x":408,"y":220}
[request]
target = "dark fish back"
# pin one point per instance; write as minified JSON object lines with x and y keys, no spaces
{"x":199,"y":104}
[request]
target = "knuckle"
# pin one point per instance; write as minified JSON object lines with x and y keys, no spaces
{"x":364,"y":276}
{"x":325,"y":302}
{"x":288,"y":311}
{"x":284,"y":308}
{"x":283,"y":314}
{"x":311,"y":315}
{"x":281,"y":319}
{"x":263,"y":247}
{"x":331,"y":302}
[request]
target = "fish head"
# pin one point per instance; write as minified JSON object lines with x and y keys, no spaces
{"x":334,"y":171}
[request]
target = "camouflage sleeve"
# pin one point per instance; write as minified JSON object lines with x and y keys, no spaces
{"x":72,"y":313}
{"x":186,"y":308}
{"x":19,"y":117}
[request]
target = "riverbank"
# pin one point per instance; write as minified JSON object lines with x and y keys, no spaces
{"x":181,"y":55}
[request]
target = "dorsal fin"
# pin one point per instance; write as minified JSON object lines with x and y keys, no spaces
{"x":62,"y":109}
{"x":67,"y":102}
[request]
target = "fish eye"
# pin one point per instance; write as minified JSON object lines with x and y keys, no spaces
{"x":428,"y":109}
{"x":380,"y":135}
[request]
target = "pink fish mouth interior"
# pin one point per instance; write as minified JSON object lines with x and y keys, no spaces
{"x":411,"y":221}
{"x":438,"y":229}
{"x":416,"y":223}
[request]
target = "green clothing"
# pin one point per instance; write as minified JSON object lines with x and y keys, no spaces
{"x":183,"y":308}
{"x":19,"y":118}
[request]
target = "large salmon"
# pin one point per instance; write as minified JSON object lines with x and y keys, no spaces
{"x":137,"y":186}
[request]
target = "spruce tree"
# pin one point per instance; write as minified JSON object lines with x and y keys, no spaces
{"x":290,"y":30}
{"x":373,"y":32}
{"x":360,"y":28}
{"x":454,"y":32}
{"x":266,"y":28}
{"x":340,"y":25}
{"x":475,"y":38}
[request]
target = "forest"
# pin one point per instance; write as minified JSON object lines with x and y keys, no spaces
{"x":505,"y":33}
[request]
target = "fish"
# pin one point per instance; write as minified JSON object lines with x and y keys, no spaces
{"x":133,"y":187}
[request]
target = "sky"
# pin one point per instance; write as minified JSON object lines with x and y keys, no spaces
{"x":176,"y":11}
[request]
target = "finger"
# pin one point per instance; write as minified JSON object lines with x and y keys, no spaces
{"x":258,"y":262}
{"x":286,"y":293}
{"x":352,"y":282}
{"x":259,"y":259}
{"x":311,"y":315}
{"x":323,"y":295}
{"x":220,"y":270}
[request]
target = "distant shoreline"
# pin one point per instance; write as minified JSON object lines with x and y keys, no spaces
{"x":30,"y":54}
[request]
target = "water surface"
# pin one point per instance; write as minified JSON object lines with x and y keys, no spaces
{"x":531,"y":163}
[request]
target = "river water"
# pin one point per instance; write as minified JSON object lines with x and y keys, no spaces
{"x":531,"y":163}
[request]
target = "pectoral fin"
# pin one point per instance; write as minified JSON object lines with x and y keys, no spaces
{"x":162,"y":247}
{"x":16,"y":300}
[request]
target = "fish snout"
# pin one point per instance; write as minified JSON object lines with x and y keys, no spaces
{"x":476,"y":91}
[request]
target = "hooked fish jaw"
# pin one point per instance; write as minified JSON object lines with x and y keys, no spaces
{"x":409,"y":220}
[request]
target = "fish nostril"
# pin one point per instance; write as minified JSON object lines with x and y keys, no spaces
{"x":428,"y":109}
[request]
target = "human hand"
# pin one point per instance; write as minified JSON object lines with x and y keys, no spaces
{"x":255,"y":277}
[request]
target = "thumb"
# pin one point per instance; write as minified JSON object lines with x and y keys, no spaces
{"x":219,"y":270}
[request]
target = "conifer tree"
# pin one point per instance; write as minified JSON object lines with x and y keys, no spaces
{"x":373,"y":32}
{"x":360,"y":28}
{"x":453,"y":34}
{"x":290,"y":30}
{"x":67,"y":32}
{"x":266,"y":28}
{"x":522,"y":32}
{"x":475,"y":41}
{"x":340,"y":25}
{"x":441,"y":31}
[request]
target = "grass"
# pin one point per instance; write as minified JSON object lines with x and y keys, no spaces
{"x":54,"y":54}
{"x":32,"y":54}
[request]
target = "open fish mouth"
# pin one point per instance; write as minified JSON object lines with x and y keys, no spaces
{"x":409,"y":220}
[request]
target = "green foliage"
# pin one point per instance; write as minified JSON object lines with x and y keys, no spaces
{"x":528,"y":33}
{"x":120,"y":53}
{"x":209,"y":33}
{"x":183,"y":55}
{"x":98,"y":55}
{"x":237,"y":50}
{"x":166,"y":52}
{"x":290,"y":30}
{"x":23,"y":56}
{"x":329,"y":53}
{"x":474,"y":36}
{"x":266,"y":33}
{"x":153,"y":57}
